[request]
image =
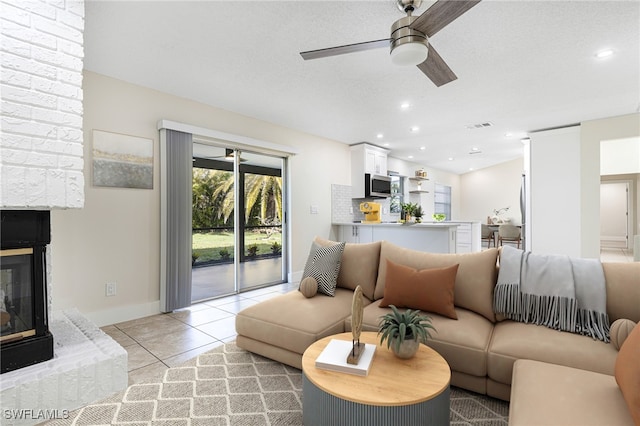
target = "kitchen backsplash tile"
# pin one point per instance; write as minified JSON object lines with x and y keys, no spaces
{"x":344,"y":209}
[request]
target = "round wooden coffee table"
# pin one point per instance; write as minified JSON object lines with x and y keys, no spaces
{"x":396,"y":391}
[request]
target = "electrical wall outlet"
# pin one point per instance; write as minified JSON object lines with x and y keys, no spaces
{"x":110,"y":289}
{"x":313,"y":209}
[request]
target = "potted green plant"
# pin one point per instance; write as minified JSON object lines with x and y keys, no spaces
{"x":404,"y":331}
{"x":418,"y":213}
{"x":407,"y":210}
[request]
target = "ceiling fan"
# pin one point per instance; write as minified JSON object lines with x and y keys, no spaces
{"x":409,"y":41}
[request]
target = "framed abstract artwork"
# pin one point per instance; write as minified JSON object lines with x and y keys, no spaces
{"x":122,"y":161}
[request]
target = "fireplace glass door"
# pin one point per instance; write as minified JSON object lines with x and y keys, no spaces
{"x":16,"y":295}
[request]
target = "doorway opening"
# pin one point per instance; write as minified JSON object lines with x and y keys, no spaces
{"x":238,"y":238}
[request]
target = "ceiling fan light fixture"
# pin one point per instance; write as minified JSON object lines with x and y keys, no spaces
{"x":408,"y":46}
{"x":409,"y":54}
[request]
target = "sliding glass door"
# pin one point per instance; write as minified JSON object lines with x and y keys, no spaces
{"x":237,"y":221}
{"x":261,"y":219}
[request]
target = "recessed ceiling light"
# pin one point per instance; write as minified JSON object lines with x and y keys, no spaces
{"x":508,"y":135}
{"x":379,"y":136}
{"x":411,"y":156}
{"x":470,"y":169}
{"x":405,"y":105}
{"x":414,"y":129}
{"x":605,"y":53}
{"x":422,"y":148}
{"x":386,"y":144}
{"x":475,"y":148}
{"x":450,"y":158}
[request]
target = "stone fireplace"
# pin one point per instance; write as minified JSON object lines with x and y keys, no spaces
{"x":25,"y":338}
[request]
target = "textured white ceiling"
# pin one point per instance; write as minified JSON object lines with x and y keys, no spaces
{"x":521,"y":65}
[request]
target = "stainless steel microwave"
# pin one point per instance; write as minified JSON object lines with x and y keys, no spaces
{"x":377,"y":186}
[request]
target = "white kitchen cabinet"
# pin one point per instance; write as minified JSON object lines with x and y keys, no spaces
{"x":356,"y":233}
{"x":366,"y":158}
{"x":468,"y":239}
{"x":375,"y":162}
{"x":464,"y":238}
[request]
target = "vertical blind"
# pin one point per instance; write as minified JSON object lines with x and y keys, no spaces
{"x":176,"y":151}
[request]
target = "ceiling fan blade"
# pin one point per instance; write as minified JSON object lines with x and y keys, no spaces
{"x":436,"y":68}
{"x":441,"y":14}
{"x":341,"y":50}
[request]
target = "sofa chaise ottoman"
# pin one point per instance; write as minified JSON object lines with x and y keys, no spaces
{"x":551,"y":394}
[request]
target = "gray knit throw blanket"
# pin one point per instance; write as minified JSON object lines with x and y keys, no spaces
{"x":558,"y":292}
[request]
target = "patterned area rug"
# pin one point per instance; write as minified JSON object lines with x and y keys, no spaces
{"x":230,"y":386}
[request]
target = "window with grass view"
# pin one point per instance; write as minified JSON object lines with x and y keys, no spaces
{"x":213,"y":216}
{"x":442,"y":197}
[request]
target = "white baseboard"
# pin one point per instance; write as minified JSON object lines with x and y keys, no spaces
{"x":611,"y":241}
{"x":123,"y":313}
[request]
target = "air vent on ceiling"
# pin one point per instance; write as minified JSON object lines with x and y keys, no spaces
{"x":480,"y":125}
{"x":475,"y":152}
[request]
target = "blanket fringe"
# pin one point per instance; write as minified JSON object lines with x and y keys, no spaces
{"x":506,"y":300}
{"x":558,"y":313}
{"x":593,"y":324}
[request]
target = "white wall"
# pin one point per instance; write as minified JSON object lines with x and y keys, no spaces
{"x":592,"y":133}
{"x":492,"y":188}
{"x":620,"y":156}
{"x":115,"y":237}
{"x":555,"y":192}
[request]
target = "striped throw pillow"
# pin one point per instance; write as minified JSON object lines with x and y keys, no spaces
{"x":323,"y":264}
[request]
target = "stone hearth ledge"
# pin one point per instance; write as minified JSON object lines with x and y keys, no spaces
{"x":88,"y":365}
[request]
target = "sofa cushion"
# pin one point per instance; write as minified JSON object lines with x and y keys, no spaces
{"x":549,"y":394}
{"x":620,"y":330}
{"x":294,"y":322}
{"x":359,"y":266}
{"x":514,"y":340}
{"x":323,"y":264}
{"x":475,"y":279}
{"x":628,"y":372}
{"x":462,"y":343}
{"x":623,"y":291}
{"x":429,"y":290}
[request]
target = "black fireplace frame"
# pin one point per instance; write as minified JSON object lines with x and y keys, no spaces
{"x":29,"y":229}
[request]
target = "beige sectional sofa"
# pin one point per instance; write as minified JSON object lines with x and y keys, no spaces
{"x":480,"y":348}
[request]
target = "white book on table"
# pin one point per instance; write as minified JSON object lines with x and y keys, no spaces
{"x":334,"y":357}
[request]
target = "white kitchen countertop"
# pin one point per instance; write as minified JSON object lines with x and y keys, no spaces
{"x":406,"y":225}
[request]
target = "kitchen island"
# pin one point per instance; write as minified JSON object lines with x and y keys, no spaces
{"x":434,"y":237}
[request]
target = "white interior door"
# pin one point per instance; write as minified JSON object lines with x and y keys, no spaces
{"x":614,"y":214}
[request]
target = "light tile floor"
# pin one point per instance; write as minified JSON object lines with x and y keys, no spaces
{"x":158,"y":342}
{"x":616,"y":255}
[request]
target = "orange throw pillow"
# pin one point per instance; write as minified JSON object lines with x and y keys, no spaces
{"x":628,"y":372}
{"x":429,"y":290}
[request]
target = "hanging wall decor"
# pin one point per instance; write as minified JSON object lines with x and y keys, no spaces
{"x":122,"y":161}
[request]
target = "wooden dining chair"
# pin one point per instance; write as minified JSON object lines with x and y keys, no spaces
{"x":509,"y":233}
{"x":488,"y":235}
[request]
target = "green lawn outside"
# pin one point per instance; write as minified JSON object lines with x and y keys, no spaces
{"x":207,"y":244}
